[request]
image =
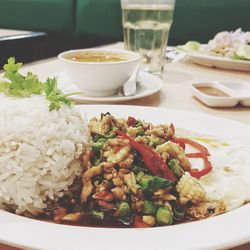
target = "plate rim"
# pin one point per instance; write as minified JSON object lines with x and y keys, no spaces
{"x":217,"y":58}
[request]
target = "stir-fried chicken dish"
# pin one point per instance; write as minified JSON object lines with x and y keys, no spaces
{"x":136,"y":174}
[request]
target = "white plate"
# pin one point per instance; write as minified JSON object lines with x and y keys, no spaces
{"x":219,"y":232}
{"x":218,"y":62}
{"x":149,"y":85}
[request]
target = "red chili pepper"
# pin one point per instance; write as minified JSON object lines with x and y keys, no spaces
{"x":152,"y":160}
{"x":195,"y":155}
{"x":139,"y":223}
{"x":192,"y":143}
{"x":207,"y":165}
{"x":180,"y":143}
{"x":131,"y":121}
{"x":203,"y":154}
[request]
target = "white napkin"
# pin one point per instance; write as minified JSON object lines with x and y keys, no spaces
{"x":129,"y":88}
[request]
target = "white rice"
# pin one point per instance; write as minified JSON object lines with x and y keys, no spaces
{"x":39,"y":152}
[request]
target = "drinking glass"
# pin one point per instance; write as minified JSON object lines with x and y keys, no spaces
{"x":146,"y":25}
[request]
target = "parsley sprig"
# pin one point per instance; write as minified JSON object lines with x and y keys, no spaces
{"x":13,"y":83}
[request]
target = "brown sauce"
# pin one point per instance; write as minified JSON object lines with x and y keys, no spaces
{"x":212,"y":91}
{"x":108,"y":222}
{"x":89,"y":221}
{"x":97,"y":57}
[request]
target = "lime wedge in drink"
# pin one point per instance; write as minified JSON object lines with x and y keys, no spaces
{"x":243,"y":52}
{"x":190,"y":46}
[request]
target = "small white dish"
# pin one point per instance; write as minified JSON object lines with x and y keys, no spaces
{"x":238,"y":93}
{"x":99,"y":72}
{"x":148,"y":85}
{"x":218,"y":62}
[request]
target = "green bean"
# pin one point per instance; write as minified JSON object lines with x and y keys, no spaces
{"x":178,"y":212}
{"x":95,"y":160}
{"x":146,"y":181}
{"x":140,"y":132}
{"x":97,"y":214}
{"x":97,"y":146}
{"x":175,"y":167}
{"x":149,"y":208}
{"x":164,"y":216}
{"x":123,"y":209}
{"x":155,"y":141}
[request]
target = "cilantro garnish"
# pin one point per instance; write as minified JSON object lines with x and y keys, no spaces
{"x":15,"y":84}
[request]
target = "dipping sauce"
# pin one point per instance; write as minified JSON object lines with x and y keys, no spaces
{"x":212,"y":91}
{"x":104,"y":57}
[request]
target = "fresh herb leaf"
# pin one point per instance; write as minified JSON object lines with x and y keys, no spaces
{"x":4,"y":86}
{"x":153,"y":183}
{"x":54,"y":95}
{"x":17,"y":85}
{"x":12,"y":66}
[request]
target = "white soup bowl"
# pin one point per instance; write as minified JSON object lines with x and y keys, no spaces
{"x":100,"y":79}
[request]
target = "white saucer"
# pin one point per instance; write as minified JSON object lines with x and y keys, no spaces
{"x":149,"y":85}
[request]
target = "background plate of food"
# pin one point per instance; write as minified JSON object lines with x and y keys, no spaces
{"x":227,"y":50}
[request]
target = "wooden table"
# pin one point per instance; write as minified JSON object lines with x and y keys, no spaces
{"x":174,"y":94}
